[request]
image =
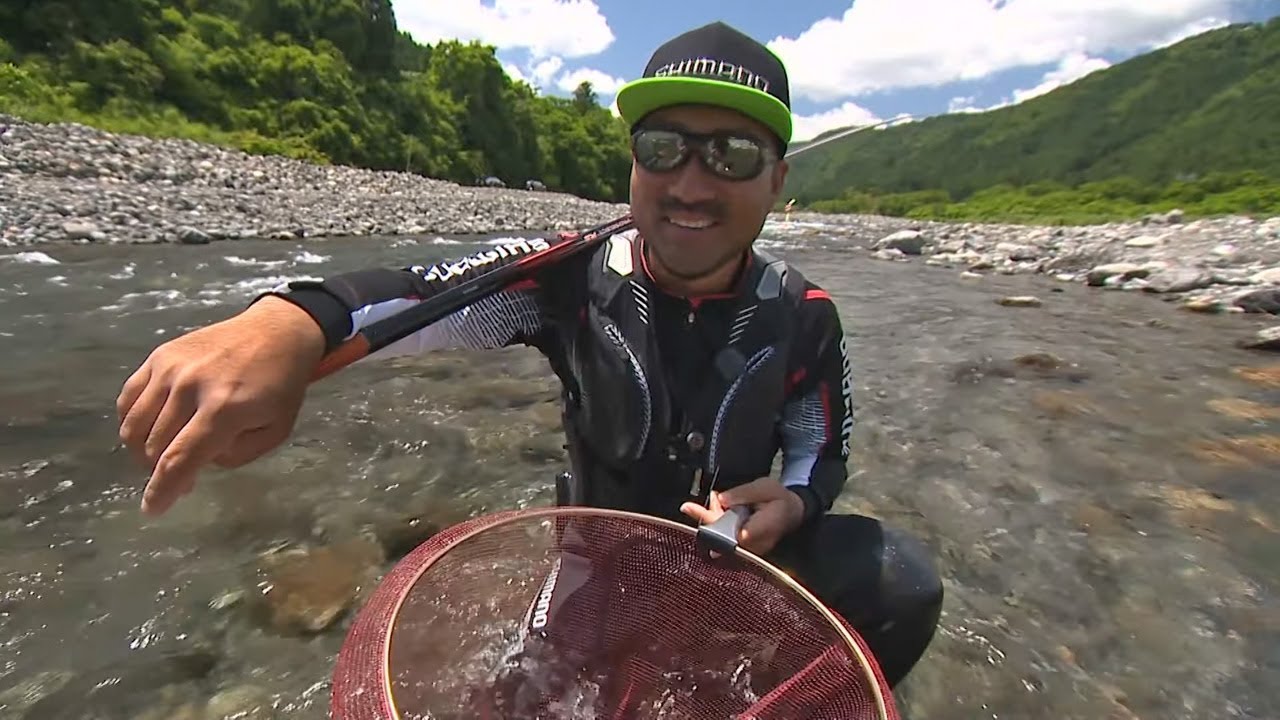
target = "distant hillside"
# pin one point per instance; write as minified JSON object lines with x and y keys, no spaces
{"x":1209,"y":103}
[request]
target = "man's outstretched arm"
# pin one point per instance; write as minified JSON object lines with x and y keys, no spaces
{"x":230,"y":392}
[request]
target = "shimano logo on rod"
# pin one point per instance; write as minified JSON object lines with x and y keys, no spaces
{"x":457,"y":268}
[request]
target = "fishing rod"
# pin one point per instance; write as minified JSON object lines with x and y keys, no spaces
{"x":380,"y":334}
{"x":847,"y":132}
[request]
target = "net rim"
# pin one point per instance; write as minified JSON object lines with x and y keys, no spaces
{"x":386,"y":633}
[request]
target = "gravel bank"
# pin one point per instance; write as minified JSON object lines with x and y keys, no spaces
{"x":70,"y":182}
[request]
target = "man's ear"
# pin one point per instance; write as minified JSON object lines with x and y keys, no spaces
{"x":778,"y":178}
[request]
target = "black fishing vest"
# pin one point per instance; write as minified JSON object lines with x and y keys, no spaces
{"x":639,"y":452}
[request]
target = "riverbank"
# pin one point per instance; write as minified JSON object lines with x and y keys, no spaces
{"x":73,"y":183}
{"x":67,"y":183}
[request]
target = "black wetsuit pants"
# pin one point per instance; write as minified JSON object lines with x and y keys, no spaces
{"x":880,"y":579}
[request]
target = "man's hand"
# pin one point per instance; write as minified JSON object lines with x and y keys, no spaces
{"x":225,"y":393}
{"x":776,"y":511}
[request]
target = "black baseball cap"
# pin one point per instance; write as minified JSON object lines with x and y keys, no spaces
{"x":713,"y":65}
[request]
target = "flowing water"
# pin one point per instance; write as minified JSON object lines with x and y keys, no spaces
{"x":1098,"y":477}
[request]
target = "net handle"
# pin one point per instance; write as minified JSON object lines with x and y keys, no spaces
{"x":721,"y":536}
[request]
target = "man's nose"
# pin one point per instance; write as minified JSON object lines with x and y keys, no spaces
{"x":693,"y":182}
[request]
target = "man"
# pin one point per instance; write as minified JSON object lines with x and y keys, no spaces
{"x":688,"y":358}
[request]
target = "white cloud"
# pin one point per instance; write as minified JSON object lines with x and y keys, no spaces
{"x":963,"y":105}
{"x":1072,"y":68}
{"x":543,"y":71}
{"x":603,"y":83}
{"x":806,"y":127}
{"x":885,"y":44}
{"x":568,"y":28}
{"x":514,"y":73}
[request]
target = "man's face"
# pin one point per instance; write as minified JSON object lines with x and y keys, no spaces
{"x":693,"y":221}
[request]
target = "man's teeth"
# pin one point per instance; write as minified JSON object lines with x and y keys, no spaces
{"x":692,"y":224}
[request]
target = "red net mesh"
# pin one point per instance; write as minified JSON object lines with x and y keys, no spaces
{"x":582,"y":613}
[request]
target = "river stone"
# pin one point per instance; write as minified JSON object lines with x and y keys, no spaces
{"x":308,"y":589}
{"x":908,"y":242}
{"x":1265,"y":339}
{"x":245,"y":702}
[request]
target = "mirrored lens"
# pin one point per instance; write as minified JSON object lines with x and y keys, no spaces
{"x":734,"y":157}
{"x":659,"y":149}
{"x":730,"y":156}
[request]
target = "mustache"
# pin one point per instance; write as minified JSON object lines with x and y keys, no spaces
{"x":712,"y":208}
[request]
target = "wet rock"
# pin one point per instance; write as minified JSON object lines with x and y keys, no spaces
{"x":1020,"y":252}
{"x":1270,"y":276}
{"x":1100,"y":274}
{"x":908,"y":242}
{"x":889,"y":254}
{"x":245,"y":702}
{"x":1177,"y":280}
{"x":306,"y":590}
{"x":192,"y":236}
{"x":401,"y":535}
{"x":1260,"y":301}
{"x":1021,"y":301}
{"x":1265,"y":339}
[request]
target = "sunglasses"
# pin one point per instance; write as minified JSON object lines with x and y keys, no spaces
{"x":726,"y":155}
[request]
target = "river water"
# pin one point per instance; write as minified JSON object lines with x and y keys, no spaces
{"x":1098,"y":477}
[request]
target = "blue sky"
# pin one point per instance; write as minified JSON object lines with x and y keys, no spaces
{"x":849,"y":62}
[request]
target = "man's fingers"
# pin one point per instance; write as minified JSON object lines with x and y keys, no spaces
{"x":198,"y":443}
{"x":132,"y":388}
{"x":760,"y":490}
{"x":701,"y":514}
{"x":762,"y":530}
{"x":179,"y":406}
{"x":140,"y":418}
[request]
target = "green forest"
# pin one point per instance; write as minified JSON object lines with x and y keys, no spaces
{"x":332,"y":81}
{"x":1195,"y":125}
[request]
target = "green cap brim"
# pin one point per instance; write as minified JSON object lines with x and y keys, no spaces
{"x":641,"y":97}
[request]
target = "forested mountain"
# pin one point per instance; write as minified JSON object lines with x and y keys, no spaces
{"x":1201,"y":116}
{"x":329,"y":80}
